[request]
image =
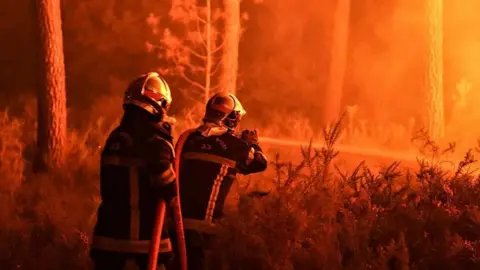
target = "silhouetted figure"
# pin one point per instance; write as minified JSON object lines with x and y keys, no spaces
{"x":136,"y":171}
{"x":210,"y":156}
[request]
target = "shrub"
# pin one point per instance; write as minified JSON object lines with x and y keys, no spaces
{"x":46,"y":218}
{"x":396,"y":219}
{"x":316,"y":216}
{"x":11,"y":154}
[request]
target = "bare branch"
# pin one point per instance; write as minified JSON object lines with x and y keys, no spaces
{"x":219,"y":47}
{"x":200,"y":19}
{"x":198,"y":10}
{"x":200,"y":34}
{"x":216,"y":58}
{"x":196,"y":69}
{"x":193,"y":67}
{"x":151,"y":47}
{"x":214,"y":89}
{"x":217,"y":67}
{"x":196,"y":54}
{"x":190,"y":81}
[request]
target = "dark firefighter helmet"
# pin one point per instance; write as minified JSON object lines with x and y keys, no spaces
{"x":149,"y":92}
{"x":224,"y":109}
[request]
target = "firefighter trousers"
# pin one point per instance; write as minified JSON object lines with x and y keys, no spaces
{"x":107,"y":260}
{"x":199,"y":247}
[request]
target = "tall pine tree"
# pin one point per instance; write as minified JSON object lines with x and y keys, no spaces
{"x":52,"y":111}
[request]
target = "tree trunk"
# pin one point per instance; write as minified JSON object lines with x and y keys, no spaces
{"x":209,"y":48}
{"x":339,"y":47}
{"x":52,"y":111}
{"x":436,"y":122}
{"x":228,"y":80}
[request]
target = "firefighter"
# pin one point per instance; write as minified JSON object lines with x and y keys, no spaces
{"x":207,"y":161}
{"x":136,"y":172}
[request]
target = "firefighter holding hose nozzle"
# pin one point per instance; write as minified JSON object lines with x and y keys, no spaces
{"x":137,"y":182}
{"x":207,"y":161}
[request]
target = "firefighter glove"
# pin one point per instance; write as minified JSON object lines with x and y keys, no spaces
{"x":250,"y":136}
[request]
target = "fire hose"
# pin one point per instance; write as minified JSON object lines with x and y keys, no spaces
{"x":177,"y":211}
{"x":157,"y":235}
{"x":177,"y":215}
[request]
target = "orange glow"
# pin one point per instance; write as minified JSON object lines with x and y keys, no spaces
{"x":387,"y":68}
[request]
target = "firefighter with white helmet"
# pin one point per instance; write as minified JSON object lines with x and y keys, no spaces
{"x":207,"y":161}
{"x":136,"y":172}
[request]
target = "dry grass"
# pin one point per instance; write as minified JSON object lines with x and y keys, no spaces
{"x":47,"y":218}
{"x":316,"y":217}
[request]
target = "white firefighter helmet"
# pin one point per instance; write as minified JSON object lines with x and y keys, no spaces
{"x":224,"y":109}
{"x":149,"y":92}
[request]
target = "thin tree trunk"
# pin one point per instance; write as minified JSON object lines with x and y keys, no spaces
{"x":228,"y":80}
{"x":52,"y":112}
{"x":208,"y":65}
{"x":339,"y":47}
{"x":436,"y":121}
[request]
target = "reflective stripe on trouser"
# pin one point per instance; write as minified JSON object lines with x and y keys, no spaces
{"x":128,"y":246}
{"x":225,"y":165}
{"x":133,"y":164}
{"x":215,"y":191}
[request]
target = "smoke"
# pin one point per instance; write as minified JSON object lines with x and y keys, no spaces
{"x":386,"y":64}
{"x":462,"y":40}
{"x":462,"y":82}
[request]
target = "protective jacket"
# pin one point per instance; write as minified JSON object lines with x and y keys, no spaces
{"x":210,"y":158}
{"x":136,"y":171}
